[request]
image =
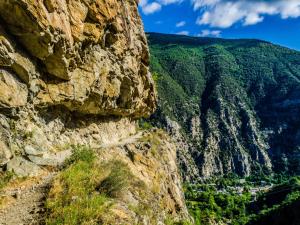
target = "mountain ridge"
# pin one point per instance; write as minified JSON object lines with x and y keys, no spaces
{"x":232,"y":99}
{"x":220,"y":39}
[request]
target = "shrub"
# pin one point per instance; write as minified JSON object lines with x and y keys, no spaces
{"x":144,"y":125}
{"x":117,"y":181}
{"x":5,"y":177}
{"x":81,"y":153}
{"x":85,"y":190}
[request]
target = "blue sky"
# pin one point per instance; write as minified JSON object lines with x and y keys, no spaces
{"x":277,"y":21}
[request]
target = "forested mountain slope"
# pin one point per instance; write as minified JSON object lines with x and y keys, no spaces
{"x":232,"y":104}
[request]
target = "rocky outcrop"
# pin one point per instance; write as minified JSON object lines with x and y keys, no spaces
{"x":188,"y":167}
{"x":158,"y":197}
{"x":89,"y":56}
{"x":232,"y":140}
{"x":59,"y":58}
{"x":77,"y":73}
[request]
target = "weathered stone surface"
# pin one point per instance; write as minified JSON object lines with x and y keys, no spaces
{"x":77,"y":73}
{"x":42,"y":157}
{"x":5,"y":153}
{"x":29,"y":150}
{"x":22,"y":167}
{"x":12,"y":92}
{"x":152,"y":161}
{"x":92,"y":55}
{"x":50,"y":159}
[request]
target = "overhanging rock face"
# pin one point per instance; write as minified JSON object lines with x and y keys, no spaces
{"x":89,"y":56}
{"x":71,"y":72}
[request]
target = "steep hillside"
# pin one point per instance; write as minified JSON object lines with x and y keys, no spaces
{"x":75,"y":75}
{"x":288,"y":214}
{"x":232,"y":104}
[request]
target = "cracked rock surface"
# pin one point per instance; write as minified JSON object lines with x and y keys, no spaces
{"x":89,"y":56}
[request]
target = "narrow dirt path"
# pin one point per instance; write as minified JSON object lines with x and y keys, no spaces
{"x":128,"y":140}
{"x":26,"y":203}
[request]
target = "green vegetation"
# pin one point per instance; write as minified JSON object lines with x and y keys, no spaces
{"x":210,"y":205}
{"x":85,"y":191}
{"x":226,"y":83}
{"x":170,"y":221}
{"x":206,"y":202}
{"x":5,"y":178}
{"x":144,"y":125}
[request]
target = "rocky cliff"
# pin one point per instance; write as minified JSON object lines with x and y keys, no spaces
{"x":89,"y":56}
{"x":75,"y":73}
{"x":232,"y":104}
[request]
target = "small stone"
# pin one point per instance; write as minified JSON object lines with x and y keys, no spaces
{"x":17,"y":194}
{"x":51,"y":159}
{"x":74,"y":198}
{"x":5,"y":153}
{"x":29,"y":150}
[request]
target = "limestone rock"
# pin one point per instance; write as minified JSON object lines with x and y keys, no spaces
{"x":29,"y":150}
{"x":152,"y":160}
{"x":22,"y":167}
{"x":90,"y":56}
{"x":72,"y":72}
{"x":77,"y":73}
{"x":12,"y":92}
{"x":50,"y":159}
{"x":5,"y":153}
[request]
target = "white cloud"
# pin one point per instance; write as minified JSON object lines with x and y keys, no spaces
{"x":210,"y":33}
{"x":225,"y":13}
{"x":149,"y":8}
{"x":184,"y":32}
{"x":155,"y":6}
{"x":181,"y":24}
{"x":201,"y":3}
{"x":253,"y":18}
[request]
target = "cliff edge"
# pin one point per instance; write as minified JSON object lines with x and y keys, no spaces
{"x":76,"y":73}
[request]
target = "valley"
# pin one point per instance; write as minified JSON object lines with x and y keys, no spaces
{"x":102,"y":123}
{"x":232,"y":104}
{"x":228,"y":201}
{"x":232,"y":108}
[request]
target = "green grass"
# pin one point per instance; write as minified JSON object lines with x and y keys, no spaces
{"x":170,"y":221}
{"x":117,"y":181}
{"x":5,"y":178}
{"x":81,"y":153}
{"x":85,"y":191}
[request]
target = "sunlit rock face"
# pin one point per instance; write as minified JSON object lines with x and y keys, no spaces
{"x":71,"y":73}
{"x":76,"y":72}
{"x":89,"y":56}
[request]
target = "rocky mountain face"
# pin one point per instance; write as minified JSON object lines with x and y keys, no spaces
{"x":89,"y":56}
{"x":76,"y":73}
{"x":233,"y":105}
{"x":157,"y":196}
